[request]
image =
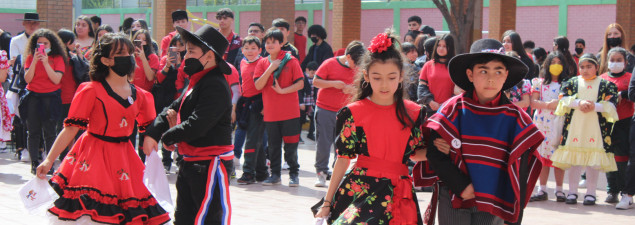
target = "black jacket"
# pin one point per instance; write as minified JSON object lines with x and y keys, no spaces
{"x":317,"y":54}
{"x":205,"y":115}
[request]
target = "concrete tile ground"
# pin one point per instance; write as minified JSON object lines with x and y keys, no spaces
{"x":283,"y":205}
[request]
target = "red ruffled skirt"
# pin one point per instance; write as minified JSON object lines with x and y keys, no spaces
{"x":104,"y":180}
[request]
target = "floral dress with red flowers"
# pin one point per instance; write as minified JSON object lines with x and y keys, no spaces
{"x":378,"y":190}
{"x":6,"y":116}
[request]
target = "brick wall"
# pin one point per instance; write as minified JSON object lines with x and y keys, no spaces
{"x":58,"y":13}
{"x":537,"y":23}
{"x":374,"y":22}
{"x":272,"y":9}
{"x":589,"y":22}
{"x":346,"y":22}
{"x":245,"y":19}
{"x":626,"y":18}
{"x":10,"y":23}
{"x":430,"y":16}
{"x":163,"y":16}
{"x":501,"y":17}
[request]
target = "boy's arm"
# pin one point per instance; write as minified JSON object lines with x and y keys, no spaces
{"x":445,"y":169}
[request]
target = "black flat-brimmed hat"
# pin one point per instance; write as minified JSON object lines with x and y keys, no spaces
{"x":212,"y":39}
{"x":179,"y":15}
{"x":31,"y":17}
{"x":459,"y":64}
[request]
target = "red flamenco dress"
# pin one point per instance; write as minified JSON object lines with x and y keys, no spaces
{"x":378,"y":190}
{"x":102,"y":176}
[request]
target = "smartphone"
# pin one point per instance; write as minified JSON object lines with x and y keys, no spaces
{"x":40,"y":48}
{"x":138,"y":43}
{"x":173,"y":52}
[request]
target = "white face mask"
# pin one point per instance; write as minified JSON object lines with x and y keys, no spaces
{"x":616,"y":67}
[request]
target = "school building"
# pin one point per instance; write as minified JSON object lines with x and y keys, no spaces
{"x":536,"y":20}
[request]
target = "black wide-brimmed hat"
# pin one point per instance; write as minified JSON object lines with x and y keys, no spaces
{"x":32,"y":17}
{"x":179,"y":15}
{"x":212,"y":39}
{"x":460,"y":63}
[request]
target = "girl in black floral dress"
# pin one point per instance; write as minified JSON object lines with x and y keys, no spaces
{"x":381,"y":130}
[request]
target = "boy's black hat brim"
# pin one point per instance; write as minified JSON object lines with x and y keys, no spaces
{"x":459,"y":64}
{"x":193,"y":38}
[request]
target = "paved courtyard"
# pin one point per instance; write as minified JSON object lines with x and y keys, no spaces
{"x":283,"y":205}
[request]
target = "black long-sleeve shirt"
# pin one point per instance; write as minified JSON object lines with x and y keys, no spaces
{"x":317,"y":53}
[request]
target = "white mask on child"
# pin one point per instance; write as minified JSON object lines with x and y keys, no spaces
{"x":616,"y":67}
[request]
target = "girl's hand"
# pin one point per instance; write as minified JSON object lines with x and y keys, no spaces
{"x":442,"y":145}
{"x":468,"y":193}
{"x":349,"y":89}
{"x":138,"y":52}
{"x":44,"y":168}
{"x":171,"y":116}
{"x":324,"y":212}
{"x":36,"y":57}
{"x":553,"y":104}
{"x":44,"y":58}
{"x":169,"y":61}
{"x":277,"y":88}
{"x":149,"y":145}
{"x":434,"y":105}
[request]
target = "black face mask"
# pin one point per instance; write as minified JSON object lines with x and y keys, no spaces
{"x":614,"y":42}
{"x":314,"y":40}
{"x":578,"y":50}
{"x":124,"y":65}
{"x":193,"y":66}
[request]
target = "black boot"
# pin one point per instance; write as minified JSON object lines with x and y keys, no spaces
{"x":34,"y":165}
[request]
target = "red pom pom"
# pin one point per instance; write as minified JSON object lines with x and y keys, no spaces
{"x":380,"y":43}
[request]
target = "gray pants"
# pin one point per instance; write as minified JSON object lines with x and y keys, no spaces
{"x":325,"y":136}
{"x":448,"y":215}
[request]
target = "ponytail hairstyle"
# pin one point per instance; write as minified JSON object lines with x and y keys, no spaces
{"x":562,"y":43}
{"x":147,"y":49}
{"x":109,"y":44}
{"x":384,"y":48}
{"x":544,"y":71}
{"x":356,"y":50}
{"x":57,"y":47}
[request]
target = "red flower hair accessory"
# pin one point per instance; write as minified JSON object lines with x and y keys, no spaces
{"x":380,"y":43}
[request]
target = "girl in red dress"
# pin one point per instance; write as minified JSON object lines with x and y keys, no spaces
{"x":101,"y":178}
{"x":381,"y":130}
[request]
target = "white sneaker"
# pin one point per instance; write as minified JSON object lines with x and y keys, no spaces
{"x":236,"y":162}
{"x":582,"y":184}
{"x":625,"y":203}
{"x":321,"y":179}
{"x":285,"y":166}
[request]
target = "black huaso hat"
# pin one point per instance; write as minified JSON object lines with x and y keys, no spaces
{"x":460,"y":63}
{"x":210,"y":37}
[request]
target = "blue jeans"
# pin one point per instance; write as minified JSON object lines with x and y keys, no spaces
{"x":239,"y":141}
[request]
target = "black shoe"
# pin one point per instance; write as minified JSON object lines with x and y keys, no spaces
{"x":311,"y":137}
{"x":542,"y":196}
{"x":34,"y":165}
{"x":294,"y":181}
{"x":246,"y":179}
{"x":612,"y":198}
{"x":262,"y":177}
{"x":560,"y":197}
{"x":272,"y":180}
{"x":589,"y":200}
{"x":167,"y":169}
{"x":572,"y":201}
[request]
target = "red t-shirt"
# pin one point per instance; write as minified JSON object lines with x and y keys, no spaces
{"x":438,"y":79}
{"x":333,"y":99}
{"x":69,"y":86}
{"x":625,"y":106}
{"x":279,"y":107}
{"x":41,"y":82}
{"x":247,"y":71}
{"x":140,"y":78}
{"x":165,"y":43}
{"x":232,"y":79}
{"x":300,"y":43}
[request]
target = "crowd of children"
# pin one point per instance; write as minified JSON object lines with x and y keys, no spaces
{"x":483,"y":127}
